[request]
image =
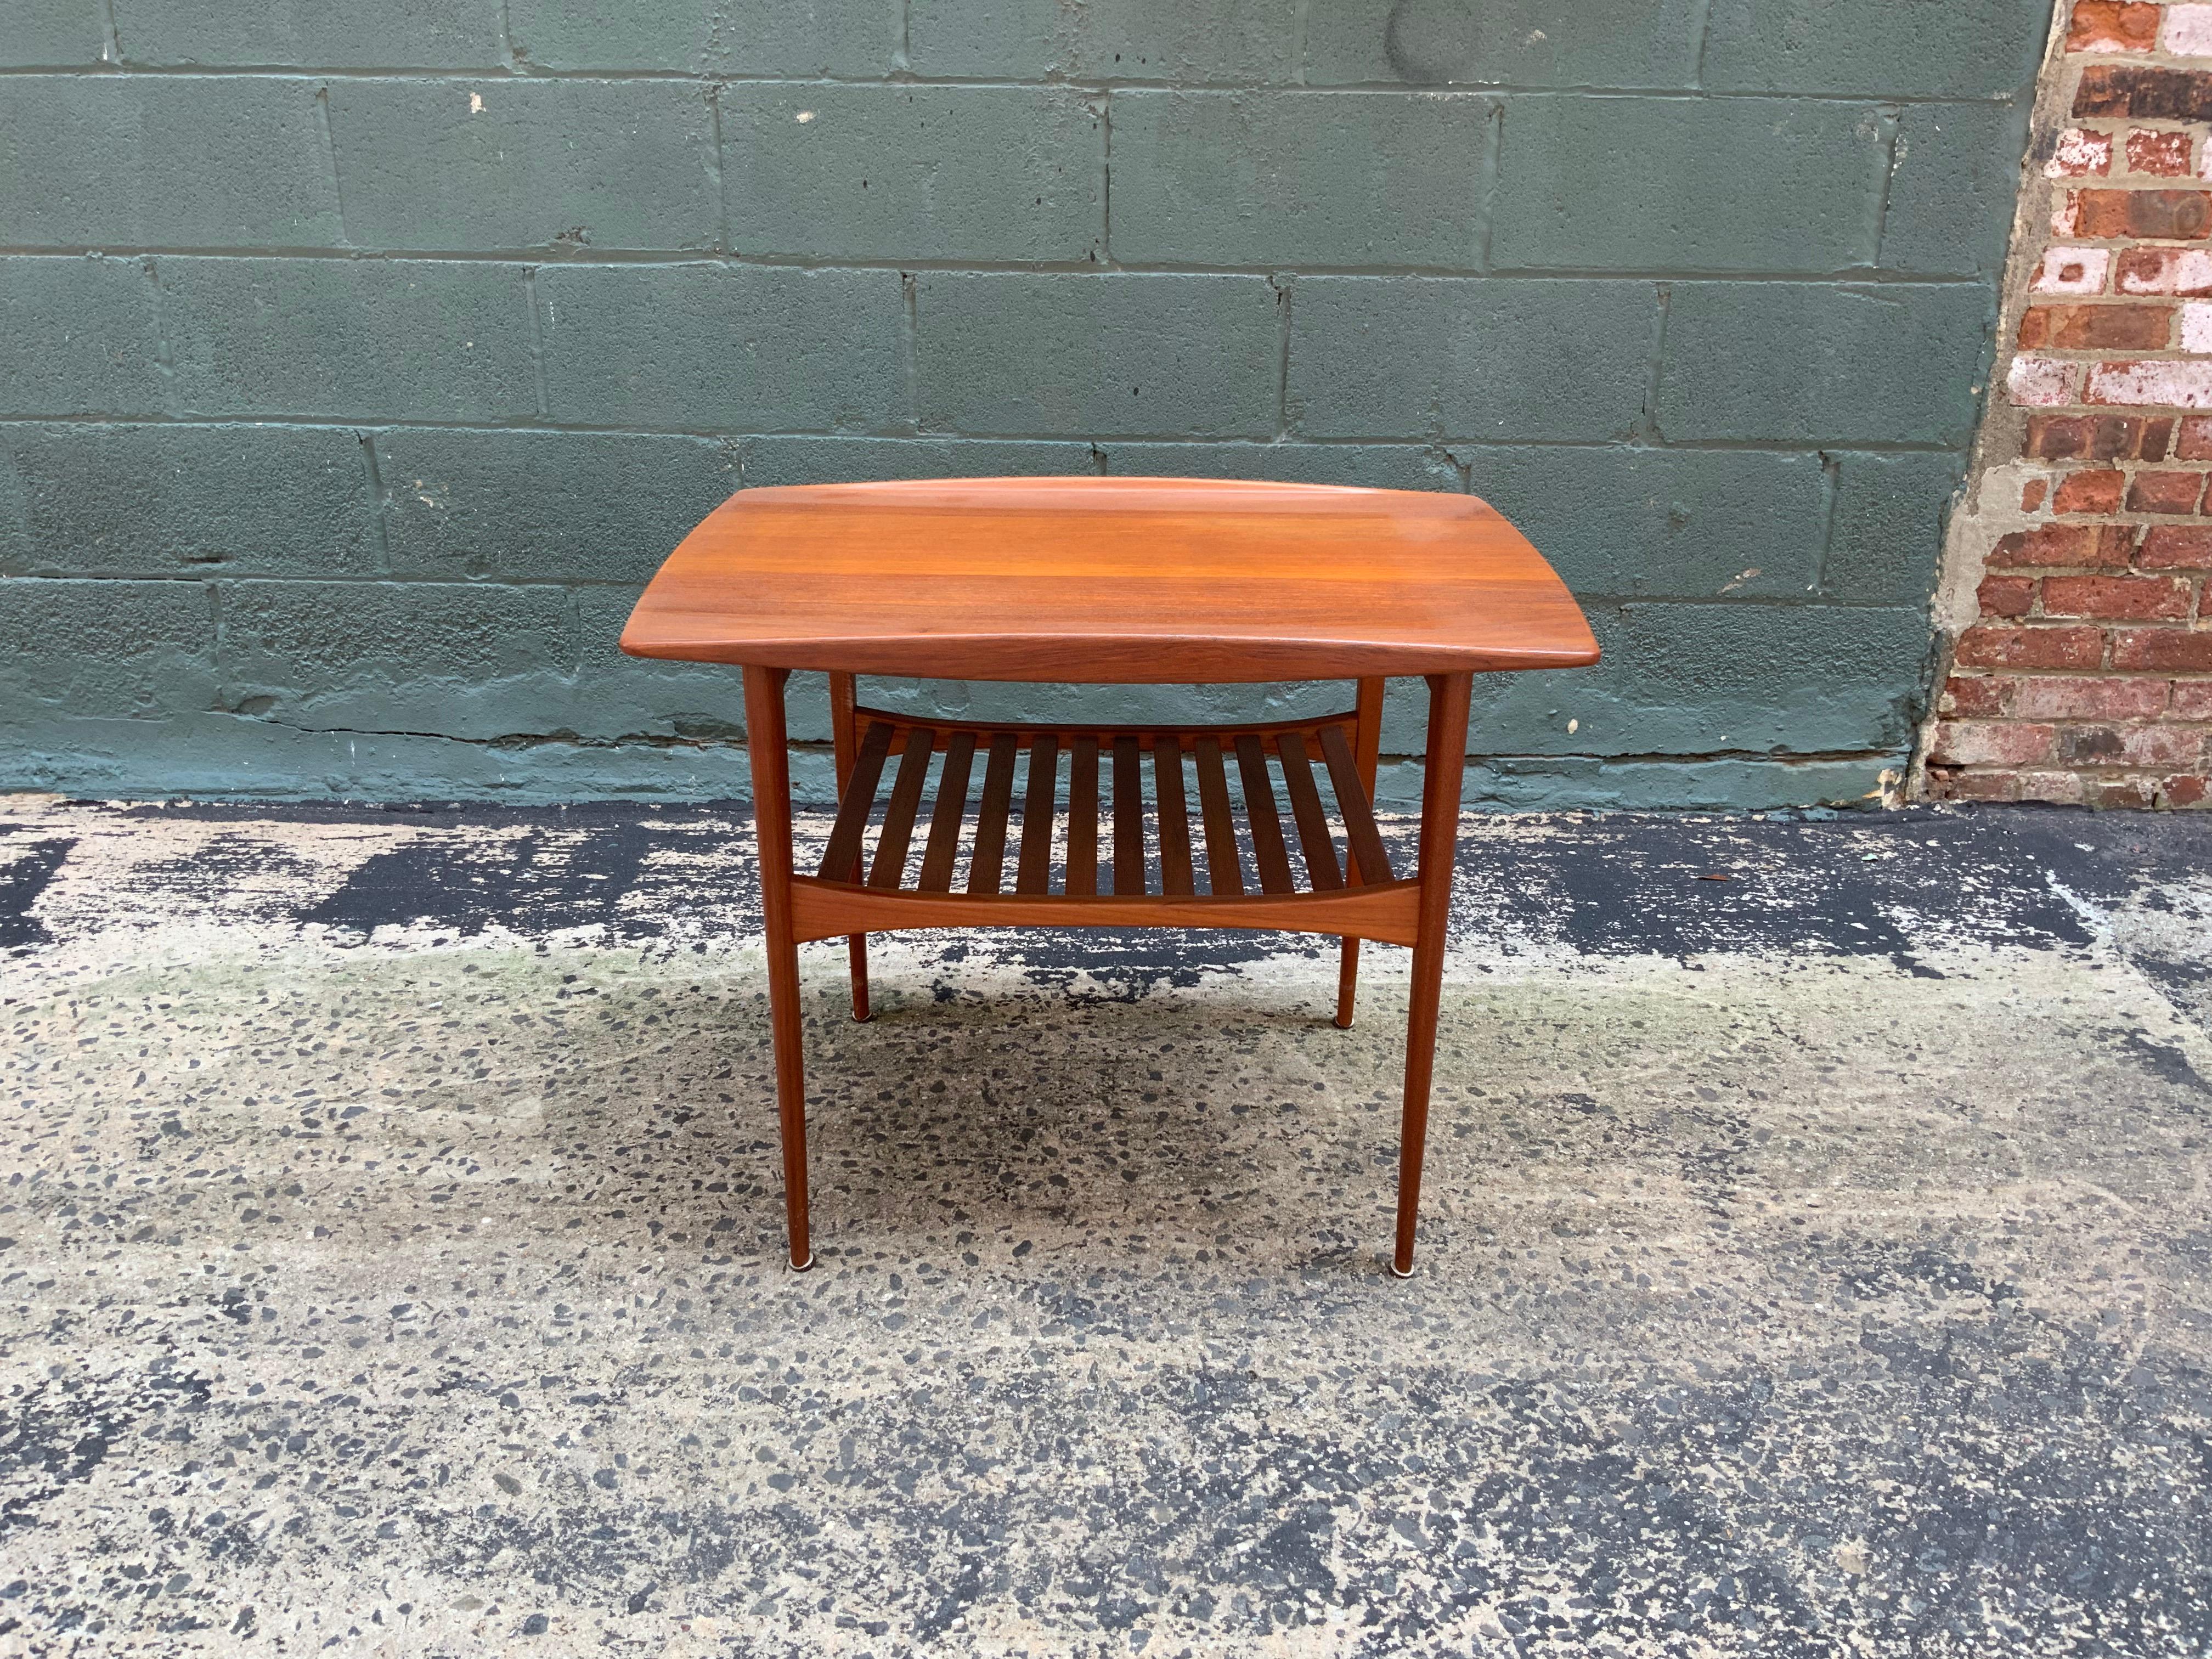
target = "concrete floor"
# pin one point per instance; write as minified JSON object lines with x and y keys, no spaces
{"x":1813,"y":1261}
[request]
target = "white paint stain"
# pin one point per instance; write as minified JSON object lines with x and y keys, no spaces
{"x":1573,"y":726}
{"x":475,"y":103}
{"x":804,"y":117}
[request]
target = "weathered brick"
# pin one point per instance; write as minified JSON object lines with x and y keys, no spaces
{"x":1111,"y":356}
{"x":379,"y":339}
{"x":129,"y":649}
{"x":2190,"y":789}
{"x":310,"y":34}
{"x":2124,"y":793}
{"x":716,"y":348}
{"x":1814,"y":362}
{"x":2188,"y":31}
{"x":2166,"y":155}
{"x":1301,"y":179}
{"x":2165,"y":492}
{"x":1504,"y":359}
{"x":1930,"y":48}
{"x":2078,"y":328}
{"x":857,"y":38}
{"x":1119,"y":39}
{"x":1950,"y":159}
{"x":1987,"y":646}
{"x":2006,"y":596}
{"x":1520,"y":43}
{"x":2120,"y":598}
{"x":2180,"y":650}
{"x":461,"y":660}
{"x":150,"y":499}
{"x":2075,"y":697}
{"x":2079,"y":153}
{"x":568,"y":164}
{"x":2192,"y":699}
{"x":2196,"y":326}
{"x":2074,"y":270}
{"x":2095,"y":491}
{"x":2176,"y":385}
{"x":1651,"y":523}
{"x":1374,"y":466}
{"x":150,"y":162}
{"x":2145,"y":92}
{"x":917,"y":173}
{"x":2164,"y":270}
{"x":2132,"y":746}
{"x":2196,"y":443}
{"x":2176,"y":547}
{"x":2064,"y":544}
{"x":1990,"y":743}
{"x":1659,"y":184}
{"x":592,"y":507}
{"x":2111,"y":25}
{"x":2042,"y":382}
{"x":2033,"y":494}
{"x":52,"y":34}
{"x":2100,"y":437}
{"x":78,"y":336}
{"x":1979,"y":696}
{"x":2174,"y":214}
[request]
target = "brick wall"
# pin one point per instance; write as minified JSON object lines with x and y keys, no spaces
{"x":2083,"y":671}
{"x":359,"y":361}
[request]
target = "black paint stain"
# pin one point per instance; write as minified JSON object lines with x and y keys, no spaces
{"x":21,"y":881}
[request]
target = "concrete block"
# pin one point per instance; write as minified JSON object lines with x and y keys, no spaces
{"x":310,"y":33}
{"x":1523,"y":784}
{"x":539,"y":506}
{"x":1238,"y":40}
{"x":1470,"y":357}
{"x":1878,"y":48}
{"x":1300,"y":178}
{"x":1522,"y":43}
{"x":572,"y":165}
{"x":114,"y":649}
{"x":78,"y":336}
{"x":1888,"y":531}
{"x":1110,"y":356}
{"x":914,"y":173}
{"x":1672,"y":183}
{"x":839,"y":460}
{"x":381,"y":339}
{"x":1672,"y":523}
{"x":442,"y":658}
{"x":1815,"y":362}
{"x":1371,"y":467}
{"x":40,"y":33}
{"x":160,"y":500}
{"x":630,"y":699}
{"x":1951,"y":189}
{"x":722,"y":348}
{"x":150,"y":162}
{"x":855,"y":38}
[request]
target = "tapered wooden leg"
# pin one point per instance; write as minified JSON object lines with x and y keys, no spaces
{"x":1445,"y":762}
{"x":771,"y":770}
{"x":845,"y":742}
{"x":1367,"y":747}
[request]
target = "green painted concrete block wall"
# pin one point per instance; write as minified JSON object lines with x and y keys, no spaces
{"x":359,"y":363}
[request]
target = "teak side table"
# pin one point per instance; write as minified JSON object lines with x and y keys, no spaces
{"x":1110,"y":581}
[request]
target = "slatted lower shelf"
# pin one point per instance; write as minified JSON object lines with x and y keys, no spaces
{"x":1051,"y":800}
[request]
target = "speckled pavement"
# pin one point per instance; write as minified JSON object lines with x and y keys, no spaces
{"x":1813,"y":1261}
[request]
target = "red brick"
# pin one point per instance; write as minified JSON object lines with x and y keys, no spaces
{"x":2120,"y":598}
{"x":2086,"y":328}
{"x":2131,"y":745}
{"x":2146,"y":93}
{"x":2063,"y":697}
{"x":2192,"y":700}
{"x":2165,"y":492}
{"x":2171,"y":214}
{"x":1979,"y":696}
{"x":1986,"y":645}
{"x":2175,"y":547}
{"x":2007,"y":596}
{"x":2183,"y":650}
{"x":2122,"y":793}
{"x":2166,"y":153}
{"x":2051,"y":544}
{"x":2104,"y":437}
{"x":2188,"y":790}
{"x":2196,"y":438}
{"x":1991,"y":743}
{"x":2033,"y":495}
{"x":2163,"y":270}
{"x":2111,"y":25}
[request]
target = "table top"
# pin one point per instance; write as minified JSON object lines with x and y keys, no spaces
{"x":1110,"y":580}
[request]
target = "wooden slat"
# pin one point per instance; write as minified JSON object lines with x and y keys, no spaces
{"x":898,"y":816}
{"x":840,"y":859}
{"x":1323,"y":873}
{"x":951,"y":809}
{"x":1268,"y":853}
{"x":1035,"y":874}
{"x":1224,"y":872}
{"x":1174,"y":817}
{"x":1128,"y":816}
{"x":1083,"y":817}
{"x":1353,"y":807}
{"x":989,"y":857}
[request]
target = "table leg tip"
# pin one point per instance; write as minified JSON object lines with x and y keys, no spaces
{"x":1397,"y":1272}
{"x":801,"y":1266}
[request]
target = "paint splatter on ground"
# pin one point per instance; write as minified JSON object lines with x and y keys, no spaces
{"x":1815,"y":1261}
